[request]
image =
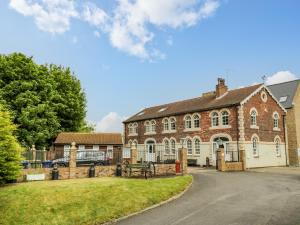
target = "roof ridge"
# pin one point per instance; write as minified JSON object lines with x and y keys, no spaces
{"x":89,"y":133}
{"x":283,"y":82}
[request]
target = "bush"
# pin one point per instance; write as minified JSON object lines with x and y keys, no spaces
{"x":10,"y":150}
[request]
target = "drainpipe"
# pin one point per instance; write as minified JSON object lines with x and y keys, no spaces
{"x":285,"y":140}
{"x":237,"y":131}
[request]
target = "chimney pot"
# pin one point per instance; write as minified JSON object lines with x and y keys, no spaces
{"x":221,"y":88}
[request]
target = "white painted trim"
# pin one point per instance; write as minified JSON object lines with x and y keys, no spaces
{"x":150,"y":139}
{"x":220,"y":135}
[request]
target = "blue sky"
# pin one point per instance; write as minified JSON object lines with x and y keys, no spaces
{"x":131,"y":54}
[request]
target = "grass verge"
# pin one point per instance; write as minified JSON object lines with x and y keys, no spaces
{"x":83,"y":201}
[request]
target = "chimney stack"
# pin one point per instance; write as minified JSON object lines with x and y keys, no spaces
{"x":221,"y":88}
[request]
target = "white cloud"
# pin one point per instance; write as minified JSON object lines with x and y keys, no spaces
{"x":129,"y":24}
{"x":112,"y":122}
{"x":279,"y":77}
{"x":52,"y":16}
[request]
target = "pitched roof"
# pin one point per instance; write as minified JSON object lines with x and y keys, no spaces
{"x":204,"y":103}
{"x":286,"y":89}
{"x":89,"y":138}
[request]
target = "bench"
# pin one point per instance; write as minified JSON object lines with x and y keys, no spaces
{"x":146,"y":169}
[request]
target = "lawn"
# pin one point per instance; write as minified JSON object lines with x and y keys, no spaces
{"x":83,"y":201}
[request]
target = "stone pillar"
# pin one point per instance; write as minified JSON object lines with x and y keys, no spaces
{"x":44,"y":154}
{"x":72,"y":161}
{"x":243,"y":159}
{"x":33,"y":153}
{"x":183,"y":160}
{"x":221,"y":160}
{"x":133,"y":154}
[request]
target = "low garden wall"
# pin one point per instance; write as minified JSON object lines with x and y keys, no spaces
{"x":83,"y":172}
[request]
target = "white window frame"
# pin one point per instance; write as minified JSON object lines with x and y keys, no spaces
{"x":215,"y":119}
{"x":110,"y":151}
{"x":253,"y":118}
{"x":153,"y":126}
{"x":81,"y":147}
{"x":189,"y":141}
{"x":225,"y":118}
{"x":172,"y":125}
{"x":166,"y":124}
{"x":188,"y":122}
{"x":255,"y":146}
{"x":276,"y":121}
{"x":167,"y":147}
{"x":173,"y":146}
{"x":197,"y":150}
{"x":196,"y":118}
{"x":96,"y":147}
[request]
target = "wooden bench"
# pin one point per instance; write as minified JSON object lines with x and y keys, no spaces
{"x":145,"y":168}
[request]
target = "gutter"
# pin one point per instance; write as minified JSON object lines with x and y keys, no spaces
{"x":285,"y":140}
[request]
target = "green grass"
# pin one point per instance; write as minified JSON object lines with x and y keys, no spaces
{"x":83,"y":201}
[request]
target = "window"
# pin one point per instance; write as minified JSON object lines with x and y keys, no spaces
{"x":264,"y":96}
{"x":173,"y":123}
{"x":133,"y":128}
{"x":67,"y":147}
{"x":166,"y":124}
{"x":110,"y":149}
{"x":253,"y":118}
{"x":134,"y":143}
{"x":197,"y":146}
{"x":225,"y":118}
{"x":96,"y":147}
{"x":130,"y":143}
{"x":188,"y":122}
{"x":215,"y":119}
{"x":196,"y":121}
{"x":276,"y":120}
{"x":167,"y":147}
{"x":189,"y":147}
{"x":277,"y":147}
{"x":148,"y":127}
{"x":283,"y":99}
{"x":153,"y":123}
{"x":162,"y":109}
{"x":255,"y":146}
{"x":130,"y":129}
{"x":81,"y":147}
{"x":173,"y":147}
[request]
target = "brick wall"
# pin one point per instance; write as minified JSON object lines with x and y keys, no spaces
{"x":205,"y":132}
{"x":264,"y":119}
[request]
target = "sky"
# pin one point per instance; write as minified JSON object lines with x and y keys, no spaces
{"x":132,"y":54}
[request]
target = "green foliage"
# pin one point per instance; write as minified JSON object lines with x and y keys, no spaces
{"x":44,"y":99}
{"x":10,"y":150}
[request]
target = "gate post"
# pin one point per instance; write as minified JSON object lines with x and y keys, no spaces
{"x":133,"y":154}
{"x":242,"y":159}
{"x":33,"y":153}
{"x":183,"y":160}
{"x":221,"y":160}
{"x":72,"y":161}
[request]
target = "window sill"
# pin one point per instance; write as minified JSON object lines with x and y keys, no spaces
{"x":254,"y":127}
{"x":276,"y":129}
{"x":150,"y":133}
{"x":220,"y":127}
{"x":192,"y":129}
{"x":131,"y":135}
{"x":256,"y":156}
{"x":169,"y":131}
{"x":278,"y":156}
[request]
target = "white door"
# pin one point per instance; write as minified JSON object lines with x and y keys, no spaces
{"x":150,"y":154}
{"x":216,"y":146}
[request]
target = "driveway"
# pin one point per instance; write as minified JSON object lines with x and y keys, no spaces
{"x":252,"y":198}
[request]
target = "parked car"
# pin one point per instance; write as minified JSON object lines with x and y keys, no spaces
{"x":84,"y":158}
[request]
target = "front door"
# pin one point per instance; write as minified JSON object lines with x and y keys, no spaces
{"x":150,"y":151}
{"x":216,"y":145}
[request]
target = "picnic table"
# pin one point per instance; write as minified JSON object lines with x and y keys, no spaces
{"x":145,"y":168}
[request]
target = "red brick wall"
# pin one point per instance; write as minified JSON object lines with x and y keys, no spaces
{"x":205,"y":133}
{"x":264,"y":119}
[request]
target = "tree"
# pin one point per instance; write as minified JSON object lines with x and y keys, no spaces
{"x":44,"y":99}
{"x":10,"y":150}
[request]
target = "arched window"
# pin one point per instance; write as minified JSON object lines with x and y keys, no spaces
{"x":134,"y":143}
{"x":197,"y":146}
{"x":153,"y":123}
{"x":173,"y":146}
{"x":148,"y":127}
{"x":276,"y":120}
{"x":130,"y":143}
{"x":215,"y":119}
{"x":130,"y":128}
{"x":253,"y":118}
{"x":189,"y":147}
{"x":135,"y":128}
{"x":225,"y":118}
{"x":255,"y":146}
{"x":173,"y":123}
{"x":196,"y":119}
{"x":188,"y":122}
{"x":277,"y":147}
{"x":166,"y":124}
{"x":167,"y":147}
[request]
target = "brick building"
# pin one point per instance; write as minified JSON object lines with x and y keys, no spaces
{"x":249,"y":119}
{"x":288,"y":94}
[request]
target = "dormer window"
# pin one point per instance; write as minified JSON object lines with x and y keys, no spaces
{"x":162,"y":109}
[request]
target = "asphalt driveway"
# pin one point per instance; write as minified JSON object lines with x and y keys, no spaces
{"x":252,"y":198}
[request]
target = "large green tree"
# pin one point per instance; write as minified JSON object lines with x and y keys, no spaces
{"x":10,"y":150}
{"x":44,"y":99}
